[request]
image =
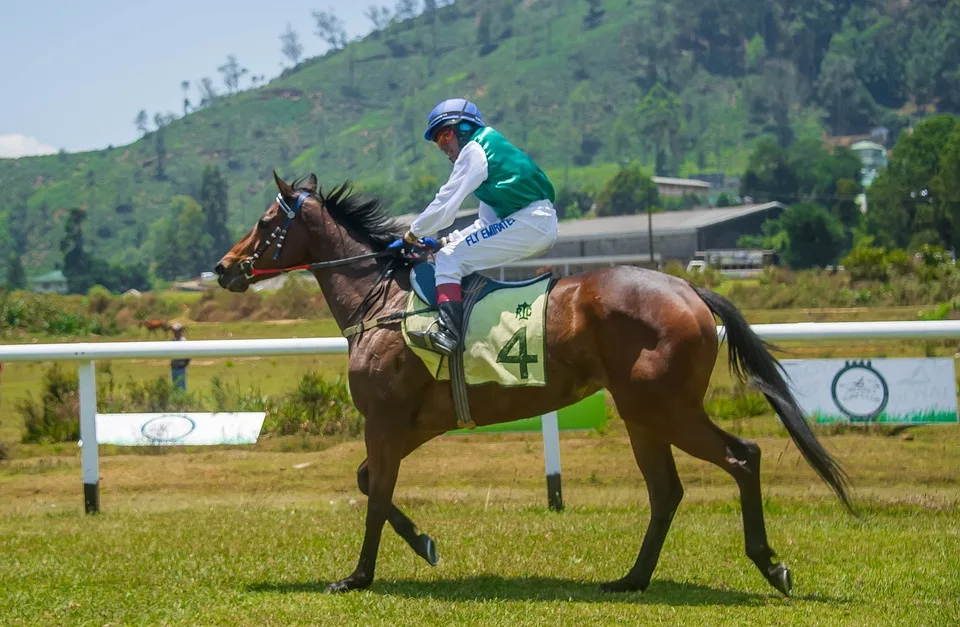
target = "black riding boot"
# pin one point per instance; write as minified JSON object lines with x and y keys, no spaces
{"x":447,"y":339}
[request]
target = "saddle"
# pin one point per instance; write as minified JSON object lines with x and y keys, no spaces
{"x":475,"y":288}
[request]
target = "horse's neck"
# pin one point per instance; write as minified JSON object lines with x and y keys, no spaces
{"x":344,"y":289}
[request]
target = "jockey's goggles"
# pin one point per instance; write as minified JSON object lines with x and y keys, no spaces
{"x":444,"y":136}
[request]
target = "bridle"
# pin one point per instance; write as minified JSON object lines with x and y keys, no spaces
{"x":406,"y":255}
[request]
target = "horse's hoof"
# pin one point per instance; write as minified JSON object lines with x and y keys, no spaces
{"x":345,"y":585}
{"x":623,"y":585}
{"x":779,"y":577}
{"x":428,"y":550}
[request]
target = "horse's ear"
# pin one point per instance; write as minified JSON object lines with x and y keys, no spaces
{"x":311,"y":184}
{"x":285,"y":189}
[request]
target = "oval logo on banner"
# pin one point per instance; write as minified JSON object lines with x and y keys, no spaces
{"x":168,"y":428}
{"x":860,"y":391}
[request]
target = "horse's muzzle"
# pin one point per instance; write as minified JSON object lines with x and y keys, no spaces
{"x":231,"y":278}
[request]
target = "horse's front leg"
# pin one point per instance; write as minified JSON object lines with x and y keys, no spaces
{"x":384,"y":452}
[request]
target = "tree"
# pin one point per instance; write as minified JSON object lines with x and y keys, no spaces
{"x":769,"y":175}
{"x":815,"y":237}
{"x":661,"y":123}
{"x":902,"y":201}
{"x":379,"y":17}
{"x":843,"y":95}
{"x":208,"y":93}
{"x":141,"y":121}
{"x":594,"y":15}
{"x":214,"y":202}
{"x":946,"y":183}
{"x":181,"y":246}
{"x":232,"y":72}
{"x":185,"y":86}
{"x":160,"y":144}
{"x":290,"y":45}
{"x":485,"y":41}
{"x":630,"y":191}
{"x":405,"y":10}
{"x":193,"y":238}
{"x":77,"y":264}
{"x":330,"y":29}
{"x":16,"y":277}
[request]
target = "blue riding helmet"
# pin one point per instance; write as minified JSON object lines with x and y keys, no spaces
{"x":450,"y":112}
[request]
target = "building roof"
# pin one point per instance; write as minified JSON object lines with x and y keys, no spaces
{"x":665,"y":180}
{"x":50,"y":277}
{"x":636,"y":224}
{"x":866,"y":145}
{"x":663,"y":222}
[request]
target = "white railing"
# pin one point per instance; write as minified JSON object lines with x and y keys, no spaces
{"x":88,"y":353}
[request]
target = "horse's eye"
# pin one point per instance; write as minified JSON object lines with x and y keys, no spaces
{"x":263,"y":224}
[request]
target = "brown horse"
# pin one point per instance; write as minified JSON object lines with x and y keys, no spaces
{"x":648,"y":338}
{"x":155,"y":326}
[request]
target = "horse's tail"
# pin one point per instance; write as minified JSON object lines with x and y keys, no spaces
{"x":750,"y":358}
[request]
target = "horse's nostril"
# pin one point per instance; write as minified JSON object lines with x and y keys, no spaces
{"x":220,"y":269}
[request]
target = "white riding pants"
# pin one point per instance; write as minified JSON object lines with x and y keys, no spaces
{"x":491,"y":242}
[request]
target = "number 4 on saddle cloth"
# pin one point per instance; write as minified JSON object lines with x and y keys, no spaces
{"x":504,"y":339}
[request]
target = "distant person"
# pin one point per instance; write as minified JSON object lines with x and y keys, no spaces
{"x":516,"y":218}
{"x":178,"y":367}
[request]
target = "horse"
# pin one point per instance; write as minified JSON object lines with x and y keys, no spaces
{"x":648,"y":338}
{"x":154,"y":326}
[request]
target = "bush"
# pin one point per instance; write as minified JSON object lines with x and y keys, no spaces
{"x":867,"y":263}
{"x":56,"y":416}
{"x":99,"y":299}
{"x":317,"y":406}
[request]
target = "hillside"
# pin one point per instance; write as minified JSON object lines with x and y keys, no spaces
{"x":574,"y":82}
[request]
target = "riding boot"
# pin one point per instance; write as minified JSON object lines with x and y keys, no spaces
{"x":447,"y":339}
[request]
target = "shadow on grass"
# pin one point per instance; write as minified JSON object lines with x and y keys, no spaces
{"x":492,"y":587}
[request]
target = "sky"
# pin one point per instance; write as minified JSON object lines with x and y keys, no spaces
{"x":74,"y":75}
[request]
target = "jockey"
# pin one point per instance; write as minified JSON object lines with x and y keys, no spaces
{"x":516,"y":218}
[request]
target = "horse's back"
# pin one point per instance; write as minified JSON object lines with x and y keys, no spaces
{"x":613,"y":316}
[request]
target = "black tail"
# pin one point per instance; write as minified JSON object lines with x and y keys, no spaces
{"x":750,"y":358}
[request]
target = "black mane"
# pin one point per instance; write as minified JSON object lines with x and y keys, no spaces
{"x":361,"y":213}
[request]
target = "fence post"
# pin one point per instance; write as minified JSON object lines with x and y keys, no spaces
{"x":551,"y":459}
{"x":90,"y":454}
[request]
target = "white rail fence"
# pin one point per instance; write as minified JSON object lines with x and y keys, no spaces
{"x":89,"y":353}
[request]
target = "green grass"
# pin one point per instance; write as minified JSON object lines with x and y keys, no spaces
{"x":253,"y":565}
{"x":248,"y":535}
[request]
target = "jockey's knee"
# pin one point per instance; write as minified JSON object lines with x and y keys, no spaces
{"x":448,"y":268}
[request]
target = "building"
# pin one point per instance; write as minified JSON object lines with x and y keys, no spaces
{"x":873,"y":157}
{"x":624,"y":240}
{"x":50,"y":282}
{"x":678,"y":187}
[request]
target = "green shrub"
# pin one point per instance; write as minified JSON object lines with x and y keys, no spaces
{"x":56,"y":416}
{"x":867,"y":263}
{"x":316,"y":407}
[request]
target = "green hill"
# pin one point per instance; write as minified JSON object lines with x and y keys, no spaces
{"x":571,"y":81}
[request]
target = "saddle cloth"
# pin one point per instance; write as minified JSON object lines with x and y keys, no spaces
{"x":505,"y":339}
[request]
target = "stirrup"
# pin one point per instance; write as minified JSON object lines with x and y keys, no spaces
{"x":424,"y":339}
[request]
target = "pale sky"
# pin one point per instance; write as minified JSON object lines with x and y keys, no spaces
{"x":74,"y":74}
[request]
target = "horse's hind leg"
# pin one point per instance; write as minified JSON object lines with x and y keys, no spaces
{"x":741,"y":458}
{"x":422,"y":544}
{"x":655,"y":460}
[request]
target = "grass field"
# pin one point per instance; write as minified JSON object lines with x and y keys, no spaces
{"x":241,"y":537}
{"x":252,"y":535}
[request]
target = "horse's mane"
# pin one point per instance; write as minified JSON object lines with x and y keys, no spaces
{"x":361,"y":213}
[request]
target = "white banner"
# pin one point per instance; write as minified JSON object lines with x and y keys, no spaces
{"x":888,"y":391}
{"x":181,"y":429}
